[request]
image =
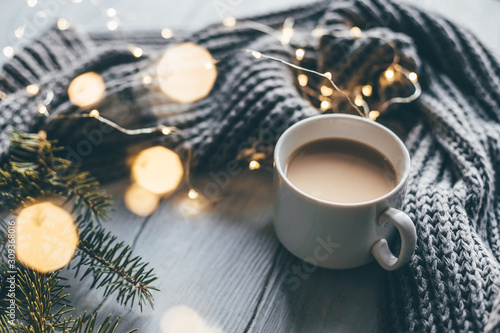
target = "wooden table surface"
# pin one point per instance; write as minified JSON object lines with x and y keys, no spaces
{"x":221,"y":267}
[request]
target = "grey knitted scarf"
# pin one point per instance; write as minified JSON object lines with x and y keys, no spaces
{"x":452,"y":131}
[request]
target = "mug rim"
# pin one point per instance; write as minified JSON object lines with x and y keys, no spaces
{"x":395,"y":190}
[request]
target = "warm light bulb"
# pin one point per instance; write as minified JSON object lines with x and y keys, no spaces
{"x":229,"y":22}
{"x":209,"y":65}
{"x":94,"y":114}
{"x":355,"y":32}
{"x":86,"y":89}
{"x":413,"y":77}
{"x":367,"y":90}
{"x":32,"y":3}
{"x":254,"y":165}
{"x":256,"y":54}
{"x":192,"y":194}
{"x":326,"y":91}
{"x":42,"y":109}
{"x":359,"y":101}
{"x":147,"y":79}
{"x":8,"y":51}
{"x":112,"y":25}
{"x":374,"y":115}
{"x":166,"y":130}
{"x":32,"y":89}
{"x":286,"y":35}
{"x":111,"y":12}
{"x":318,"y":32}
{"x":19,"y":32}
{"x":63,"y":24}
{"x":299,"y":54}
{"x":182,"y":73}
{"x":302,"y":80}
{"x":325,"y":105}
{"x":140,"y":201}
{"x":389,"y":73}
{"x":166,"y":33}
{"x":328,"y":75}
{"x":137,"y":52}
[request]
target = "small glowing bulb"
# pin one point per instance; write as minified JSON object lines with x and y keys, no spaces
{"x":166,"y":33}
{"x":192,"y":194}
{"x":19,"y":32}
{"x":389,"y":73}
{"x":77,"y":1}
{"x":286,"y":35}
{"x":209,"y":65}
{"x":355,"y":32}
{"x":367,"y":90}
{"x":147,"y":79}
{"x":112,"y":25}
{"x":229,"y":22}
{"x":63,"y":24}
{"x":328,"y":75}
{"x":318,"y":32}
{"x":358,"y":100}
{"x":166,"y":130}
{"x":374,"y":115}
{"x":94,"y":114}
{"x":256,"y":54}
{"x":42,"y":109}
{"x":32,"y":89}
{"x":326,"y":91}
{"x":8,"y":51}
{"x":325,"y":105}
{"x":413,"y":77}
{"x":137,"y":52}
{"x":32,"y":3}
{"x":111,"y":12}
{"x":299,"y":54}
{"x":302,"y":80}
{"x":254,"y":165}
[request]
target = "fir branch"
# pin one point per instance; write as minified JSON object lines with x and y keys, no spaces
{"x":111,"y":264}
{"x":33,"y":170}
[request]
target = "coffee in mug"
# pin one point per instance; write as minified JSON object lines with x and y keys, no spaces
{"x":341,"y":170}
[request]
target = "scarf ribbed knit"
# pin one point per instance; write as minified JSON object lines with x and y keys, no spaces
{"x":452,"y":131}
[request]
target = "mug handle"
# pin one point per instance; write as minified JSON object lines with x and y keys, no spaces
{"x":380,"y":249}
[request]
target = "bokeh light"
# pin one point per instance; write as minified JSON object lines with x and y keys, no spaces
{"x":183,"y":74}
{"x":183,"y":319}
{"x":158,"y":170}
{"x":86,"y":89}
{"x":46,"y":237}
{"x":141,"y":201}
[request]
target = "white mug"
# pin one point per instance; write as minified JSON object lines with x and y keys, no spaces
{"x":342,"y":235}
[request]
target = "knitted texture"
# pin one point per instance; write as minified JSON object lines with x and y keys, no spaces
{"x":452,"y":131}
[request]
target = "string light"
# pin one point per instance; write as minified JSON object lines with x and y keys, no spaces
{"x":166,"y":33}
{"x":256,"y":54}
{"x":254,"y":165}
{"x":287,"y":31}
{"x":111,"y":12}
{"x":359,"y":101}
{"x":112,"y":25}
{"x":147,"y":79}
{"x":367,"y":90}
{"x":192,"y":194}
{"x":86,"y":89}
{"x":328,"y":75}
{"x":209,"y":65}
{"x":299,"y":54}
{"x":140,"y":201}
{"x":8,"y":51}
{"x":63,"y":24}
{"x":325,"y":105}
{"x":413,"y":77}
{"x":302,"y":78}
{"x":166,"y":130}
{"x":42,"y":109}
{"x":355,"y":32}
{"x":94,"y":114}
{"x":136,"y":51}
{"x":229,"y":22}
{"x":374,"y":115}
{"x":32,"y":3}
{"x":19,"y":32}
{"x":32,"y":89}
{"x":389,"y":74}
{"x":326,"y":91}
